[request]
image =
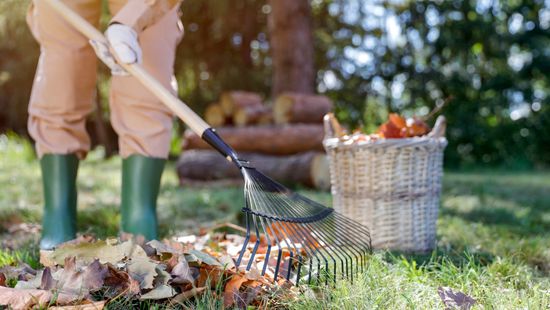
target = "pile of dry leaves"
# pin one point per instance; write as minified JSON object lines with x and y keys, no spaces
{"x":172,"y":271}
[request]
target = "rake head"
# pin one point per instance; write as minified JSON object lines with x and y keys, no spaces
{"x":292,"y":236}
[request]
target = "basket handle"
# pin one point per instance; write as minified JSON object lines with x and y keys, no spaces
{"x":439,"y":128}
{"x":332,"y":126}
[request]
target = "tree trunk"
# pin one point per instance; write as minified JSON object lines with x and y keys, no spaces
{"x":300,"y":108}
{"x":291,"y":42}
{"x":309,"y":169}
{"x":275,"y":140}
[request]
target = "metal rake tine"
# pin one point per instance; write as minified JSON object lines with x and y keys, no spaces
{"x":255,"y":249}
{"x":289,"y":268}
{"x":330,"y":229}
{"x":268,"y":250}
{"x":288,"y":236}
{"x":324,"y":235}
{"x":284,"y":227}
{"x":367,"y":248}
{"x":259,"y":200}
{"x":245,"y":244}
{"x":343,"y":261}
{"x":305,"y":237}
{"x":280,"y":246}
{"x":298,"y":232}
{"x":313,"y":246}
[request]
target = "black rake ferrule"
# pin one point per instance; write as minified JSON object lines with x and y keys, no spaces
{"x":300,"y":220}
{"x":211,"y":137}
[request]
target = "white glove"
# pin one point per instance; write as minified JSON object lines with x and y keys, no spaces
{"x":124,"y":42}
{"x":101,"y":48}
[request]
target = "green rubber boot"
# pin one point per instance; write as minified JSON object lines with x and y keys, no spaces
{"x":59,"y":182}
{"x":140,"y":187}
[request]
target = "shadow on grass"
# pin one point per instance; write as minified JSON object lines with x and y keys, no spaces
{"x":501,"y":200}
{"x":486,"y":216}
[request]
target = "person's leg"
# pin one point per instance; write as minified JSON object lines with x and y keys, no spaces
{"x":62,"y":95}
{"x":144,"y":126}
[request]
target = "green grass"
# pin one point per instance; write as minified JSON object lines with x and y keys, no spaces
{"x":493,"y":234}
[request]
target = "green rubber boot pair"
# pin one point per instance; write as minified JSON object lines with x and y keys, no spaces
{"x":140,"y":186}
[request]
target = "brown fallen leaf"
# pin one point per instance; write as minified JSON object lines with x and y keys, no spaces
{"x":2,"y":279}
{"x":210,"y":276}
{"x":201,"y":257}
{"x":120,"y":282}
{"x":47,"y":282}
{"x":246,"y":298}
{"x":143,"y":270}
{"x":106,"y":251}
{"x":96,"y":305}
{"x":163,"y":277}
{"x":185,"y":296}
{"x":232,"y":289}
{"x":181,"y":272}
{"x":22,"y":272}
{"x":28,"y":298}
{"x":81,"y":281}
{"x":227,"y":262}
{"x":32,"y":283}
{"x":162,"y":291}
{"x":162,"y":248}
{"x":453,"y":300}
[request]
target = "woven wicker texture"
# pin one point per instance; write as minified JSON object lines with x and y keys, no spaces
{"x":390,"y":185}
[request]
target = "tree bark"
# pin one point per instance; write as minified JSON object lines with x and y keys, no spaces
{"x":300,"y":108}
{"x":291,"y":42}
{"x":275,"y":140}
{"x":309,"y":169}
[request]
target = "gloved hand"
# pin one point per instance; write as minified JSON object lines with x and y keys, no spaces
{"x":123,"y":42}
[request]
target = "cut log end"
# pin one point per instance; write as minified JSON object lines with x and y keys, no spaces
{"x":320,"y":174}
{"x":300,"y":108}
{"x":214,"y":115}
{"x":282,"y":110}
{"x":233,"y":100}
{"x":252,"y":115}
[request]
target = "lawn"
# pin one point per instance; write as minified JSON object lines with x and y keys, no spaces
{"x":493,"y":233}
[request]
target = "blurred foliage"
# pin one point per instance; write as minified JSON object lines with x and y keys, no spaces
{"x":18,"y":58}
{"x":488,"y":61}
{"x":225,"y":48}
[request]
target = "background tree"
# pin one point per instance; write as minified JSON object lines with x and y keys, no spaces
{"x":291,"y":39}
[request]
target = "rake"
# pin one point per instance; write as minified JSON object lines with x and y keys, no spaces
{"x":298,"y":237}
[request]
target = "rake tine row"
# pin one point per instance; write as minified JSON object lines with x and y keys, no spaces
{"x":311,"y":235}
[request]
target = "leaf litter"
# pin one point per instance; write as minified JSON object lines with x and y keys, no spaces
{"x":172,"y":271}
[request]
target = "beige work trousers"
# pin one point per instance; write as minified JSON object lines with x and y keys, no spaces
{"x":65,"y":82}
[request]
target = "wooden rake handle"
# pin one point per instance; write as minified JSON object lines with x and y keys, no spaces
{"x":195,"y":122}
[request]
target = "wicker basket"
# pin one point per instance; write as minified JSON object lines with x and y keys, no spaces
{"x":392,"y":186}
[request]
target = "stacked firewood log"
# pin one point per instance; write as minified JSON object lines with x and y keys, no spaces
{"x":284,"y":140}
